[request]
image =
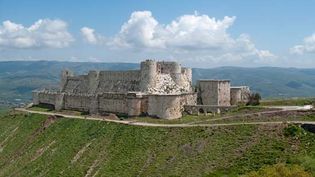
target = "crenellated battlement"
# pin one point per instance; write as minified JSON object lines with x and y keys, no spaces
{"x":157,"y":89}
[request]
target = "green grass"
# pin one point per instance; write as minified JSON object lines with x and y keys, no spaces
{"x":265,"y":118}
{"x":288,"y":102}
{"x":44,"y":108}
{"x":29,"y":149}
{"x":39,"y":108}
{"x":195,"y":118}
{"x":4,"y":109}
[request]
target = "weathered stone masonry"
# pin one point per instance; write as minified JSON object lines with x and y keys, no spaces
{"x":158,"y":89}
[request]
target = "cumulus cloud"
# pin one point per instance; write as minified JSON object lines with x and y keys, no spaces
{"x":308,"y":46}
{"x":195,"y":35}
{"x":43,"y":33}
{"x":90,"y":36}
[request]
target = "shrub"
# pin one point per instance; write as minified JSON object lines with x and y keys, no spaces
{"x":253,"y":99}
{"x":293,"y":130}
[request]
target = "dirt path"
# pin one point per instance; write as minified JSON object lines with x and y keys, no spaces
{"x":281,"y":109}
{"x":243,"y":115}
{"x":126,"y":122}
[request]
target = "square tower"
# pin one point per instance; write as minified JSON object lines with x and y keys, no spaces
{"x":214,"y":92}
{"x":239,"y":94}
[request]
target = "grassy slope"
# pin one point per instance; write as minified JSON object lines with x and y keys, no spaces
{"x":288,"y":102}
{"x":3,"y":109}
{"x":29,"y":149}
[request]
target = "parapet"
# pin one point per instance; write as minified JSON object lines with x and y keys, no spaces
{"x":157,"y":89}
{"x":213,"y":80}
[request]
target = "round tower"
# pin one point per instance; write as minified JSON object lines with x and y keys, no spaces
{"x":176,"y":73}
{"x":148,"y":74}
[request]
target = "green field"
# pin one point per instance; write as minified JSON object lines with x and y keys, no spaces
{"x":3,"y":109}
{"x":288,"y":102}
{"x":34,"y":145}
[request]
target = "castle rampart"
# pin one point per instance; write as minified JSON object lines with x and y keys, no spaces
{"x":158,"y":89}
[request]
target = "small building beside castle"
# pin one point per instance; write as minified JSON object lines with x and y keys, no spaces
{"x":158,"y":89}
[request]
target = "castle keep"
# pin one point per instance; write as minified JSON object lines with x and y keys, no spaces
{"x":158,"y":89}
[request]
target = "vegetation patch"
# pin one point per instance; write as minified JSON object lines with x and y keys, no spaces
{"x":293,"y":130}
{"x":73,"y":147}
{"x":280,"y":170}
{"x":288,"y":102}
{"x":42,"y":107}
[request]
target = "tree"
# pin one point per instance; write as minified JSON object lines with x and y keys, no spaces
{"x":254,"y":99}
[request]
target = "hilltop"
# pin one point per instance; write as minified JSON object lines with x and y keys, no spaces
{"x":39,"y":145}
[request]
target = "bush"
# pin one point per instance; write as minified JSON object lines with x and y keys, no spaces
{"x":253,"y":99}
{"x":280,"y":170}
{"x":293,"y":130}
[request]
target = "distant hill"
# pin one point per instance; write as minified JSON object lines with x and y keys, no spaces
{"x":269,"y":81}
{"x":19,"y":78}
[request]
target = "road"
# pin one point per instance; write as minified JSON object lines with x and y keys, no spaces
{"x":134,"y":123}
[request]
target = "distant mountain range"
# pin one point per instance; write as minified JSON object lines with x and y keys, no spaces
{"x":19,"y":78}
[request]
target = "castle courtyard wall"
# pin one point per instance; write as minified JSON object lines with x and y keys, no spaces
{"x":77,"y":102}
{"x":169,"y":106}
{"x":214,"y":92}
{"x":114,"y":103}
{"x":239,"y":94}
{"x":159,"y":89}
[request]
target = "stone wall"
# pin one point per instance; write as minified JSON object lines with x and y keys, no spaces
{"x":239,"y":94}
{"x":164,"y":106}
{"x":64,"y":77}
{"x":169,"y":106}
{"x":119,"y":81}
{"x":159,"y":89}
{"x":131,"y":104}
{"x":35,"y":97}
{"x":113,"y":102}
{"x":47,"y":97}
{"x":224,"y":96}
{"x":214,"y":92}
{"x":153,"y":78}
{"x":204,"y":109}
{"x":77,"y":102}
{"x":103,"y":81}
{"x":137,"y":104}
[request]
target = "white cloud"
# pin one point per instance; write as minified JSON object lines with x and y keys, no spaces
{"x":141,"y":30}
{"x":89,"y":35}
{"x":43,"y":33}
{"x":308,"y":46}
{"x":188,"y":36}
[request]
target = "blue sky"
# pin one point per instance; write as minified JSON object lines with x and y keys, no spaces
{"x":254,"y":33}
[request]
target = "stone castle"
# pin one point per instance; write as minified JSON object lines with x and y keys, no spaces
{"x":158,"y":89}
